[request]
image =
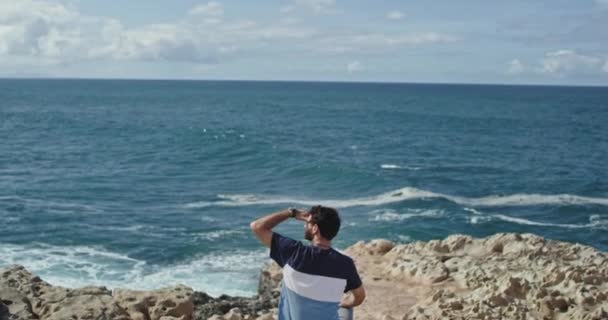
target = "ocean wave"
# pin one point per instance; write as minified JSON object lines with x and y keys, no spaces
{"x":148,"y":230}
{"x":216,"y":235}
{"x":397,"y":167}
{"x":137,"y":228}
{"x":404,"y":194}
{"x":233,"y":272}
{"x":11,"y":219}
{"x":479,"y":219}
{"x":59,"y":206}
{"x":392,"y":215}
{"x":404,"y":238}
{"x":208,"y":219}
{"x":595,"y":221}
{"x":473,"y":211}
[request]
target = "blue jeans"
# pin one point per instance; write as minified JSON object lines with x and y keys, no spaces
{"x":345,"y":313}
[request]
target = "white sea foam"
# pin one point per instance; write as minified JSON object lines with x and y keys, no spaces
{"x":392,"y":215}
{"x":405,"y":194}
{"x":529,"y":200}
{"x":148,"y":230}
{"x":233,"y":273}
{"x":479,"y":219}
{"x":592,"y":223}
{"x":404,"y":238}
{"x":215,"y":235}
{"x":595,"y":221}
{"x":251,"y":199}
{"x":397,"y":167}
{"x":473,"y":211}
{"x":207,"y":219}
{"x":133,"y":228}
{"x":11,"y":219}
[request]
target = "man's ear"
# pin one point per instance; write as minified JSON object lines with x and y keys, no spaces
{"x":315,"y":229}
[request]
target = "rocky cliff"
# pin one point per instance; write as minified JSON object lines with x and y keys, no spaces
{"x":24,"y":296}
{"x":505,"y":276}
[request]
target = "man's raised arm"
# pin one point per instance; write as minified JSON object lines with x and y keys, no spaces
{"x":262,"y":227}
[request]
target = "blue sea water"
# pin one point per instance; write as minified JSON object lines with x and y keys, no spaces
{"x":144,"y":184}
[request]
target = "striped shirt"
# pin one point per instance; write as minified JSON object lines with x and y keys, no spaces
{"x":314,"y":279}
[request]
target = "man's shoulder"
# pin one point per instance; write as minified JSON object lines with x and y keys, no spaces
{"x":343,"y":256}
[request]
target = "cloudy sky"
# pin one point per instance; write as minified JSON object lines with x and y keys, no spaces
{"x":468,"y":41}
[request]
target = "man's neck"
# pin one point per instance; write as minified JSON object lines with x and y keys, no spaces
{"x":321,"y":243}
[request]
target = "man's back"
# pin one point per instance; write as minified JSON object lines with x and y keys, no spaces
{"x":314,"y":279}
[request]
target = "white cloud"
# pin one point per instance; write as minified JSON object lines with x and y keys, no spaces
{"x":378,"y":41}
{"x":319,"y":6}
{"x":11,"y":11}
{"x":42,"y":32}
{"x":515,"y":67}
{"x":46,"y":32}
{"x":564,"y":62}
{"x":286,"y":9}
{"x":210,"y":9}
{"x":210,"y":13}
{"x":164,"y":42}
{"x":354,"y":66}
{"x":395,"y":15}
{"x":421,"y":38}
{"x":289,"y":20}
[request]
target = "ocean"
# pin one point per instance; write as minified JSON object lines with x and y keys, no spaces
{"x":145,"y":184}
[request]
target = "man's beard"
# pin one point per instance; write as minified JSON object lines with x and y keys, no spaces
{"x":308,"y":234}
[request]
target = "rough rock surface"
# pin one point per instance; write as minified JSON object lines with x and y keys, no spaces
{"x":505,"y":276}
{"x":29,"y":297}
{"x":170,"y":303}
{"x":207,"y":307}
{"x":24,"y":296}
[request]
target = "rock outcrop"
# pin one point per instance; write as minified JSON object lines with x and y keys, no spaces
{"x":232,"y":308}
{"x":29,"y":297}
{"x":24,"y":296}
{"x":505,"y":276}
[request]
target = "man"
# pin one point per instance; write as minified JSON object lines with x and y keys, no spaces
{"x":315,"y":277}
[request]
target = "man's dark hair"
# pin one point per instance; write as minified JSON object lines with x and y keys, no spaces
{"x":327,"y":219}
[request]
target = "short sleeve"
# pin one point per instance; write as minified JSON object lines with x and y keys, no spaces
{"x":282,"y":248}
{"x":353,"y":281}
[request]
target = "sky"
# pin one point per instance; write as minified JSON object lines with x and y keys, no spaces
{"x":562,"y":42}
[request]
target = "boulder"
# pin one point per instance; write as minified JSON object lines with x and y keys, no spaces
{"x":173,"y":302}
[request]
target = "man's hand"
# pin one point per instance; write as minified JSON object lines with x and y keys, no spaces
{"x":302,"y":215}
{"x":353,"y":298}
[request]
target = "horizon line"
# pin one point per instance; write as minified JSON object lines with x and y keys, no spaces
{"x":314,"y":81}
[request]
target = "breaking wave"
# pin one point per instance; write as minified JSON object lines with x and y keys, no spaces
{"x":233,"y":273}
{"x":392,"y":215}
{"x":405,"y":194}
{"x":595,"y":221}
{"x":398,"y":167}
